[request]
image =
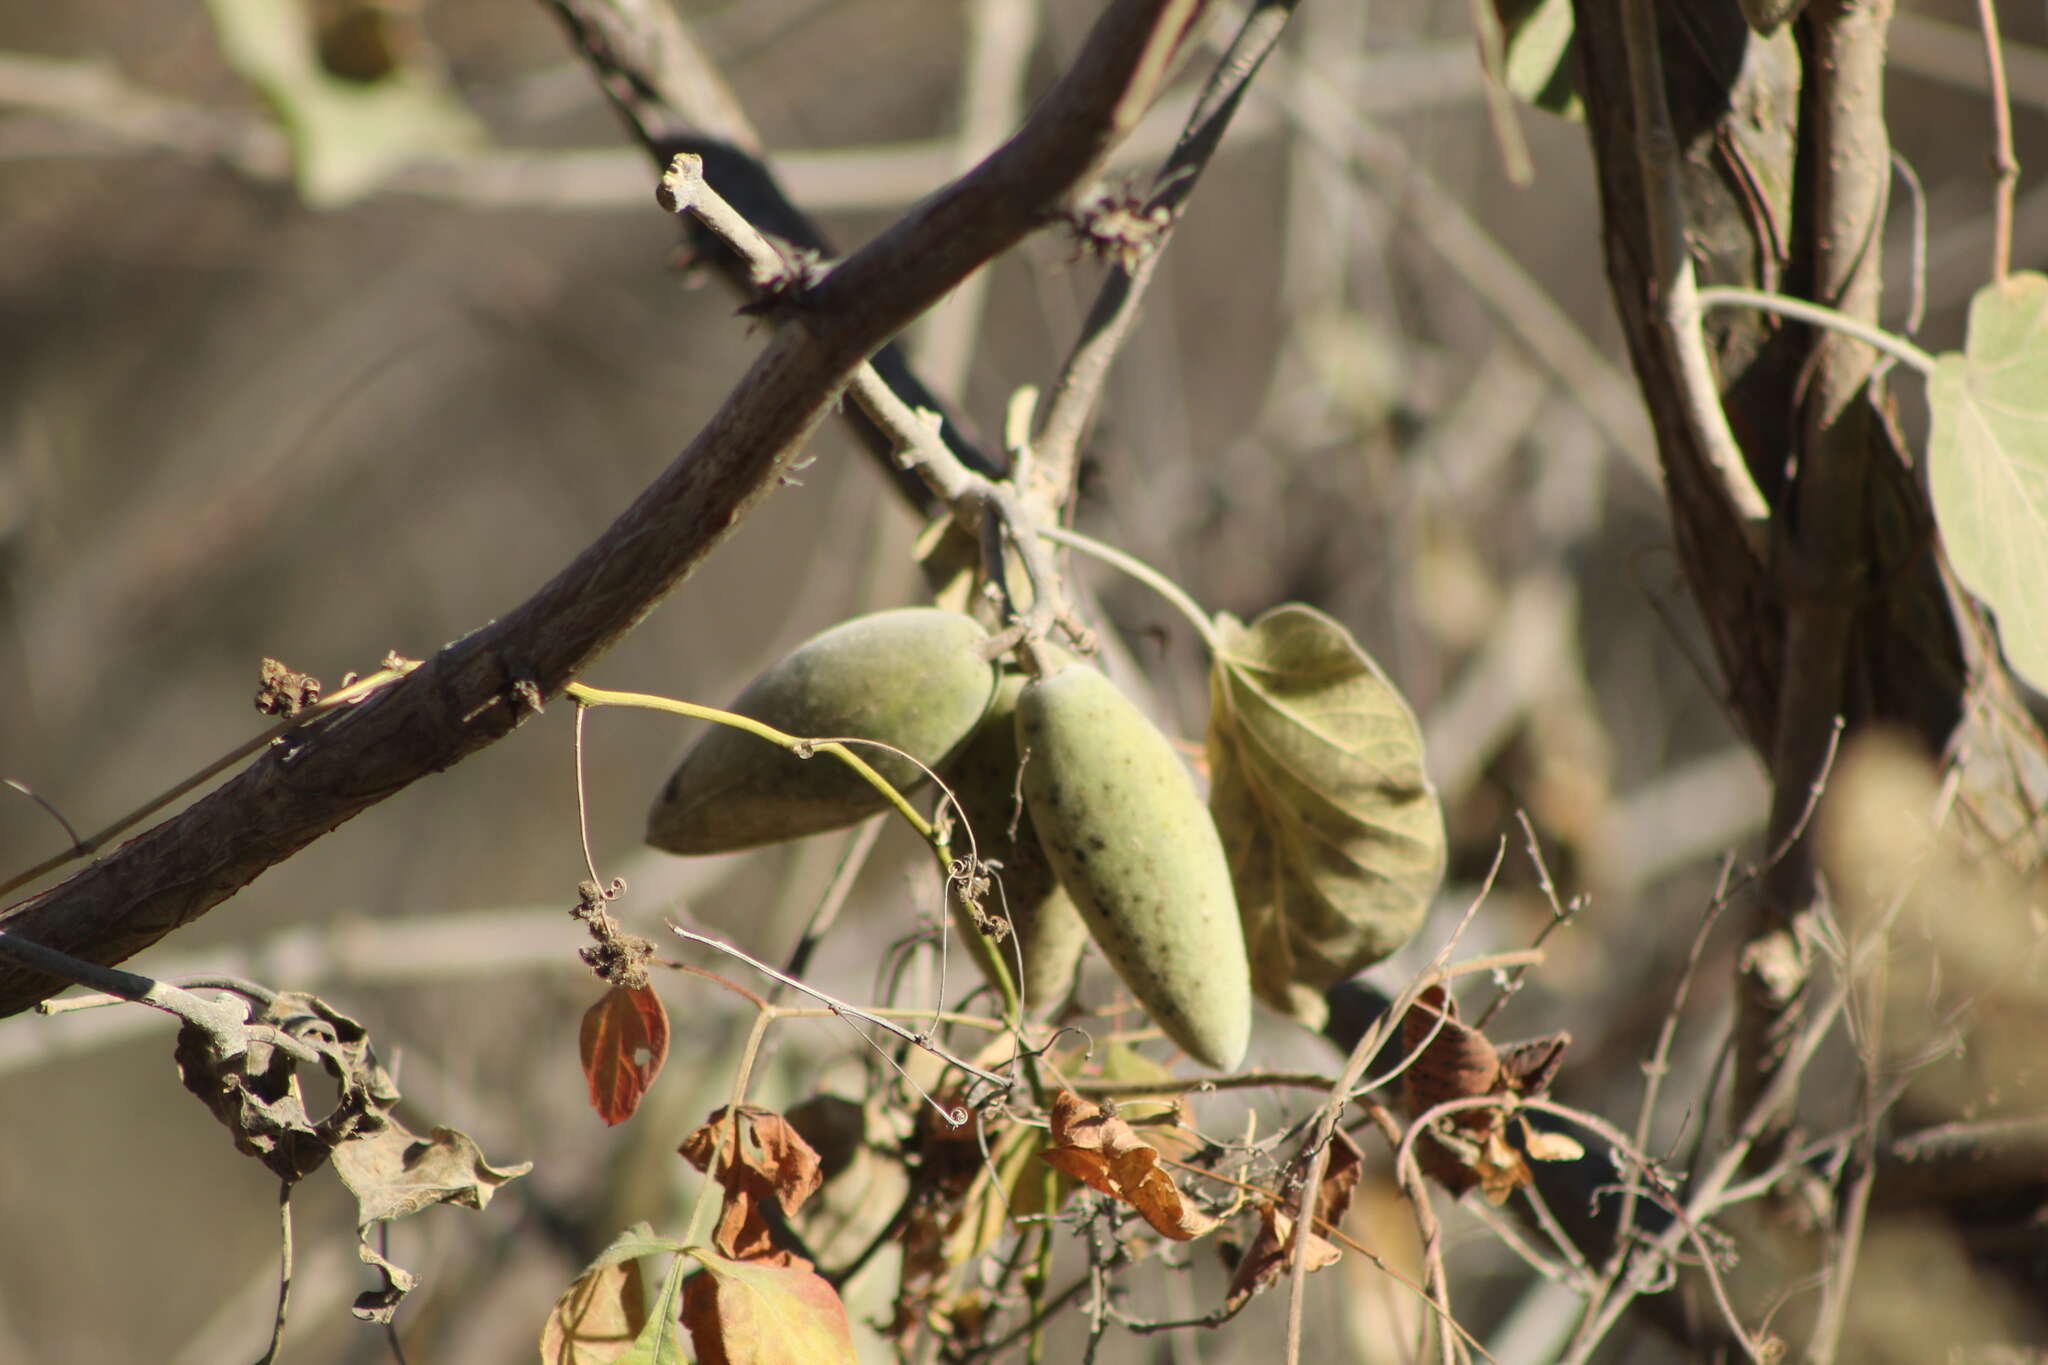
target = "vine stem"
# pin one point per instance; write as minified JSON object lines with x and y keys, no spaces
{"x":1144,"y":573}
{"x":1897,"y":347}
{"x":939,"y":842}
{"x":583,"y":695}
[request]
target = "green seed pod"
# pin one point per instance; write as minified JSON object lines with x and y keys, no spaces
{"x":1048,"y":930}
{"x":915,"y":678}
{"x":1127,"y":832}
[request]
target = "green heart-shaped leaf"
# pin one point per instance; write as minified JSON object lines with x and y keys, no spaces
{"x":1335,"y":836}
{"x":1987,"y":454}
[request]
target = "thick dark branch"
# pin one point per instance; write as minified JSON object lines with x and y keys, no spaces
{"x":477,"y":689}
{"x":673,"y":100}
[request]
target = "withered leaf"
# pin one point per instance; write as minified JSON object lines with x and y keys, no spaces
{"x":1470,"y":1149}
{"x":769,"y":1162}
{"x":1102,"y":1152}
{"x":1458,"y":1063}
{"x":256,"y":1093}
{"x":1272,"y":1249}
{"x":952,"y":1212}
{"x":391,"y":1171}
{"x":394,"y":1173}
{"x":624,"y":1041}
{"x":1550,"y":1146}
{"x":751,"y":1313}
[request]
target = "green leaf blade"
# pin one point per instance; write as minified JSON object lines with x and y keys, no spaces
{"x":1334,"y":834}
{"x":1988,"y":463}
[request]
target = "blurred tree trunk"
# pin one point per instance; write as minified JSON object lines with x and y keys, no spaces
{"x":1836,"y":602}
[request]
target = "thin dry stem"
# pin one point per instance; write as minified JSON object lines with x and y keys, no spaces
{"x":1072,"y":405}
{"x":2004,"y":164}
{"x":916,"y":1038}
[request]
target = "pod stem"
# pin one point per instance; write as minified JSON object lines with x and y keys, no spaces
{"x":584,"y":695}
{"x":1144,"y":573}
{"x":796,"y":744}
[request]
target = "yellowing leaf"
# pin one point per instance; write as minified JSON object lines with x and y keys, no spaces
{"x":748,"y":1313}
{"x":1335,"y":836}
{"x":1987,"y":463}
{"x":596,"y":1321}
{"x":1550,"y":1146}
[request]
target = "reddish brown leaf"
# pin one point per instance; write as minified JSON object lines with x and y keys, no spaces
{"x":1457,"y":1064}
{"x":769,"y":1161}
{"x":1273,"y":1249}
{"x":1470,"y":1149}
{"x":625,"y":1041}
{"x":1103,"y":1153}
{"x":748,"y":1313}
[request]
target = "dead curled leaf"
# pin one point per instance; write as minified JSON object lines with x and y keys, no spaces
{"x":768,"y":1162}
{"x":1470,"y":1149}
{"x":392,"y":1171}
{"x":1101,"y":1151}
{"x":1272,"y":1250}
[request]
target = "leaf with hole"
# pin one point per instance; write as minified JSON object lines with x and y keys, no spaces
{"x":1987,"y":463}
{"x":624,"y":1042}
{"x":1335,"y":836}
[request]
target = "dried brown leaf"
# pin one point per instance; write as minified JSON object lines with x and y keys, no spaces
{"x":394,"y":1173}
{"x":1458,"y":1063}
{"x":1102,"y":1152}
{"x":1272,"y":1249}
{"x":1470,"y":1149}
{"x":768,"y":1162}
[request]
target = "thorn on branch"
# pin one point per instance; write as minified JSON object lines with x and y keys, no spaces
{"x":786,"y":287}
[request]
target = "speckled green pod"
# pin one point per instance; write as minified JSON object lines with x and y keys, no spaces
{"x":1048,"y":930}
{"x":914,"y":678}
{"x":1133,"y":843}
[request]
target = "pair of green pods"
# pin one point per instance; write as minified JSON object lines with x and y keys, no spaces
{"x":1111,"y":829}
